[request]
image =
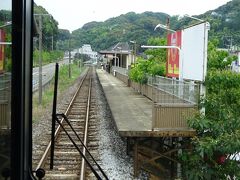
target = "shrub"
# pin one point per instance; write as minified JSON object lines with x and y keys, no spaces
{"x":218,"y":131}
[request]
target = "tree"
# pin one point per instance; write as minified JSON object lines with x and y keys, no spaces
{"x":154,"y":65}
{"x":49,"y":29}
{"x":214,"y":148}
{"x":63,"y":39}
{"x":218,"y":59}
{"x":5,"y":16}
{"x":159,"y":55}
{"x":126,"y":27}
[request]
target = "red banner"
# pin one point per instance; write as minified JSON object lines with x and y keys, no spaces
{"x":173,"y":39}
{"x":2,"y":39}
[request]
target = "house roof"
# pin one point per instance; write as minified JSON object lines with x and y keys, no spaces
{"x":119,"y":48}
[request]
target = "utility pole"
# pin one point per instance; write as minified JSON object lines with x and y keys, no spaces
{"x":52,"y":42}
{"x":134,"y":51}
{"x":40,"y":57}
{"x":40,"y":62}
{"x":81,"y":59}
{"x":78,"y":58}
{"x":69,"y":59}
{"x":231,"y":43}
{"x":121,"y":59}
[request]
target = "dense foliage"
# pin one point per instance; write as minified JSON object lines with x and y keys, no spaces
{"x":154,"y":65}
{"x":218,"y":59}
{"x":49,"y":37}
{"x":5,"y":16}
{"x":224,"y":23}
{"x":124,"y":28}
{"x":47,"y":57}
{"x":49,"y":27}
{"x":218,"y":139}
{"x":218,"y":131}
{"x":63,"y":42}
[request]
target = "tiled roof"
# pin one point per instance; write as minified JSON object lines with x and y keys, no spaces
{"x":121,"y":47}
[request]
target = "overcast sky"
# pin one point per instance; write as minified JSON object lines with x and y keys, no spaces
{"x":73,"y":14}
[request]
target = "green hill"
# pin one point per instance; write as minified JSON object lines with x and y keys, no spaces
{"x":225,"y":25}
{"x":130,"y":26}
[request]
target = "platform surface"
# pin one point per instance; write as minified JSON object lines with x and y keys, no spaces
{"x":131,"y":111}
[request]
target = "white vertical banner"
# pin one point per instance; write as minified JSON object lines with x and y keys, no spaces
{"x":194,"y":52}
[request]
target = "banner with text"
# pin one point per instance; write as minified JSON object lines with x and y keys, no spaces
{"x":173,"y":39}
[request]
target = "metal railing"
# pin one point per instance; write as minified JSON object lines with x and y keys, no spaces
{"x":163,"y":89}
{"x":173,"y":102}
{"x":5,"y":86}
{"x":5,"y":100}
{"x":120,"y":70}
{"x":172,"y":91}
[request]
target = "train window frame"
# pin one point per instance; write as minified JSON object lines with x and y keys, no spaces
{"x":21,"y":107}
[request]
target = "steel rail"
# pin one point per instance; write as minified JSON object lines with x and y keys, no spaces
{"x":47,"y":151}
{"x":82,"y":173}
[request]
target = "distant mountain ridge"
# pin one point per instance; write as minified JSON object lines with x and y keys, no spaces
{"x":126,"y":27}
{"x":225,"y":22}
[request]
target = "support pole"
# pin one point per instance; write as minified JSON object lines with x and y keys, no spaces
{"x":54,"y":116}
{"x":136,"y":157}
{"x":69,"y":60}
{"x":52,"y":42}
{"x":128,"y":145}
{"x":40,"y":62}
{"x":135,"y":53}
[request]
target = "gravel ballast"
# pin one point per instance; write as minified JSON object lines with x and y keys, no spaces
{"x":112,"y":149}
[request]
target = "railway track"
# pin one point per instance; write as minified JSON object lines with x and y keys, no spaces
{"x":69,"y":162}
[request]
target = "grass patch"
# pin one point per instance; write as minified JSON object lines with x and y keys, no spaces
{"x":63,"y":83}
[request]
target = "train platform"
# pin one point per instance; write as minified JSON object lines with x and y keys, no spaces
{"x":131,"y":111}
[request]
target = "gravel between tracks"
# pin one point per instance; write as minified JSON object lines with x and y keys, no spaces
{"x":114,"y":161}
